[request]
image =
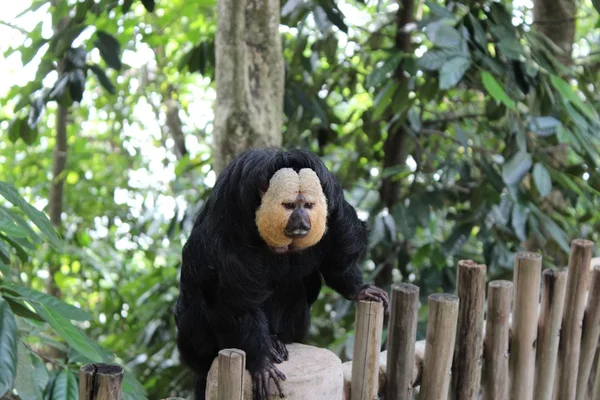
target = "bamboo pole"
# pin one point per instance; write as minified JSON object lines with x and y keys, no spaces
{"x":527,"y":271}
{"x":554,"y":284}
{"x":591,"y":332}
{"x":569,"y":347}
{"x":439,"y":346}
{"x":497,"y":336}
{"x":468,"y":349}
{"x":100,"y":382}
{"x":367,"y":345}
{"x":596,"y":389}
{"x":232,"y":365}
{"x":402,"y":334}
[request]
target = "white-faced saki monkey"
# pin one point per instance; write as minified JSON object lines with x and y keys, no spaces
{"x":275,"y":225}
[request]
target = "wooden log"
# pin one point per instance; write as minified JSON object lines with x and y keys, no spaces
{"x":232,"y":365}
{"x":439,"y":346}
{"x":554,"y":284}
{"x":468,"y":349}
{"x":591,"y":332}
{"x":569,"y":346}
{"x":100,"y":381}
{"x":367,"y":345}
{"x":497,"y":335}
{"x":402,"y":333}
{"x":527,"y":274}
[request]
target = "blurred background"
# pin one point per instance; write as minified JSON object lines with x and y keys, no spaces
{"x":459,"y":130}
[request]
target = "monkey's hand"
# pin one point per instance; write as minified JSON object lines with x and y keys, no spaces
{"x":279,"y":352}
{"x":261,"y":389}
{"x":373,"y":293}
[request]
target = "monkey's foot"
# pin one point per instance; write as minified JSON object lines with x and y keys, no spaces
{"x":261,"y":389}
{"x":279,"y":352}
{"x":373,"y":293}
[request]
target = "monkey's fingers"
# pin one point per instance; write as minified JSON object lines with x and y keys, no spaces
{"x":374,"y":294}
{"x":277,"y":375}
{"x":257,"y":386}
{"x":275,"y":355}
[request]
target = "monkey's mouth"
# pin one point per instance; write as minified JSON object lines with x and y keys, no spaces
{"x":296,"y":233}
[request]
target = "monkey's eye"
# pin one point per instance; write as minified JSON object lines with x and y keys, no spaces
{"x":308,"y":206}
{"x":289,"y":206}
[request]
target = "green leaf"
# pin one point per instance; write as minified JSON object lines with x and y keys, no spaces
{"x":37,"y":217}
{"x":443,"y":35}
{"x":495,"y":90}
{"x":41,"y":373}
{"x":65,"y":386}
{"x":565,"y":90}
{"x":542,"y":180}
{"x":10,"y":229}
{"x":459,"y":236}
{"x":73,"y":336}
{"x":380,"y":74}
{"x":544,"y":126}
{"x":519,"y":220}
{"x":440,"y":11}
{"x":334,"y":14}
{"x":478,"y":32}
{"x":110,"y":48}
{"x":382,"y":100}
{"x":18,"y":307}
{"x":433,"y":60}
{"x":25,"y":382}
{"x":452,"y":72}
{"x":511,"y":48}
{"x":596,"y":4}
{"x":127,"y":6}
{"x":516,"y":168}
{"x":148,"y":5}
{"x":102,"y":78}
{"x":8,"y":347}
{"x":76,"y":84}
{"x":66,"y":310}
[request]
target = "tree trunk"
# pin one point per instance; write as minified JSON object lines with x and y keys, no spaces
{"x":249,"y":78}
{"x":394,"y":146}
{"x":556,"y":19}
{"x":59,"y":163}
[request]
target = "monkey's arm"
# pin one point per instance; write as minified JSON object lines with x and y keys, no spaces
{"x":239,"y":321}
{"x":348,"y":243}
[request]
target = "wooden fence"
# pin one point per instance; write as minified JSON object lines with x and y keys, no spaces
{"x":520,"y":347}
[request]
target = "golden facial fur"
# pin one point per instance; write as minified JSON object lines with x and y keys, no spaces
{"x":286,"y":187}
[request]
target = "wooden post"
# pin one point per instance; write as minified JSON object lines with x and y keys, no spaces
{"x":439,"y":346}
{"x":569,"y":347}
{"x":232,"y":365}
{"x":554,"y":285}
{"x":591,"y":331}
{"x":596,"y":389}
{"x":497,"y":335}
{"x":100,"y":382}
{"x":527,"y":274}
{"x":468,"y":350}
{"x":402,"y":334}
{"x":367,"y":346}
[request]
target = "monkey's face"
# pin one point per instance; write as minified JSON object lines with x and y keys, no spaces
{"x":293,"y":211}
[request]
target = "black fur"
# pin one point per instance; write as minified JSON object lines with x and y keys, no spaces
{"x":234,"y":291}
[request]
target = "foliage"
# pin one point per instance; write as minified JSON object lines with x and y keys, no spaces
{"x":30,"y":318}
{"x":501,"y":147}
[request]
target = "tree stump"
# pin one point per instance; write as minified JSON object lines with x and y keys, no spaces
{"x":312,"y":374}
